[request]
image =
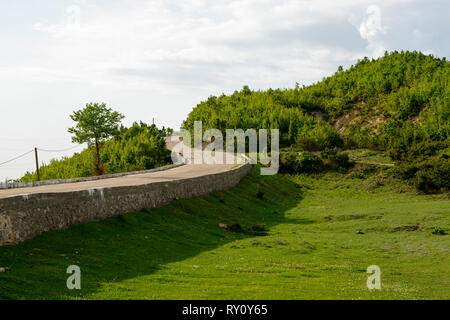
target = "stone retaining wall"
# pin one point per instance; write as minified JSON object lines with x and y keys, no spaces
{"x":23,"y":217}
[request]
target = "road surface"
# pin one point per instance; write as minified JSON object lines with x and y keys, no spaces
{"x":182,"y":172}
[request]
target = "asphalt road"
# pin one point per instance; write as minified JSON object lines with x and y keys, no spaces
{"x":182,"y":172}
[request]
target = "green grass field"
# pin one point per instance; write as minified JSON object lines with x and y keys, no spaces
{"x":322,"y":234}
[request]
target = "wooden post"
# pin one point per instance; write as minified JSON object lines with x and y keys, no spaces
{"x":37,"y":164}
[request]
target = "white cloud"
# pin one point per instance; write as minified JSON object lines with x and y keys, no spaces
{"x":199,"y":43}
{"x":372,"y":24}
{"x":169,"y":43}
{"x":372,"y":30}
{"x":70,"y":25}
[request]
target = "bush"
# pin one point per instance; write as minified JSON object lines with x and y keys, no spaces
{"x":139,"y":147}
{"x":336,"y":159}
{"x":308,"y":144}
{"x":438,"y":231}
{"x":309,"y":163}
{"x":417,"y":151}
{"x":258,"y":228}
{"x":433,"y":175}
{"x":304,"y":162}
{"x":404,"y":171}
{"x":319,"y":137}
{"x":429,"y":176}
{"x":288,"y":162}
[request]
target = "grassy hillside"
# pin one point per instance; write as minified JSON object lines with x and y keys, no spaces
{"x":399,"y":103}
{"x":303,"y":237}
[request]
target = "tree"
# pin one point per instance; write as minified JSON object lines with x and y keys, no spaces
{"x":95,"y":124}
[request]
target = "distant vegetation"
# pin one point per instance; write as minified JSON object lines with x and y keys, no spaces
{"x":399,"y":103}
{"x":139,"y":147}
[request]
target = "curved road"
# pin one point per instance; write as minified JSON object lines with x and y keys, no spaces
{"x":182,"y":172}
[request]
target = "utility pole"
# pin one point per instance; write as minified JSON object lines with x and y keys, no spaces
{"x":37,"y":164}
{"x":153,"y":120}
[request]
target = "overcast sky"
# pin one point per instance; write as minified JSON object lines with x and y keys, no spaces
{"x":158,"y":59}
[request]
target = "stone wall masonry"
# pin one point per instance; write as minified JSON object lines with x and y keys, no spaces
{"x":24,"y":217}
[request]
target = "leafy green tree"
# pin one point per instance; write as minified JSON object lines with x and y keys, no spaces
{"x":95,"y":124}
{"x":139,"y":147}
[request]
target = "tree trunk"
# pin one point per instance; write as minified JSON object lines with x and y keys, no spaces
{"x":98,"y":163}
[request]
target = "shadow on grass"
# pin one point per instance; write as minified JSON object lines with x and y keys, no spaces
{"x":141,"y":243}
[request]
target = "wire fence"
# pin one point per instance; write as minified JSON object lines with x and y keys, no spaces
{"x":15,"y":166}
{"x":61,"y":150}
{"x":16,"y":158}
{"x":38,"y":149}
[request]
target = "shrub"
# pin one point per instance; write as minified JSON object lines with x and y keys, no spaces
{"x":308,"y":144}
{"x":258,"y":228}
{"x":336,"y":159}
{"x":438,"y":231}
{"x":236,"y":227}
{"x":319,"y":137}
{"x":288,"y":162}
{"x":303,"y":162}
{"x":417,"y":151}
{"x":404,"y":170}
{"x":433,"y":175}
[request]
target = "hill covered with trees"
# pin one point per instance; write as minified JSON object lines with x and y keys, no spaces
{"x":399,"y":103}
